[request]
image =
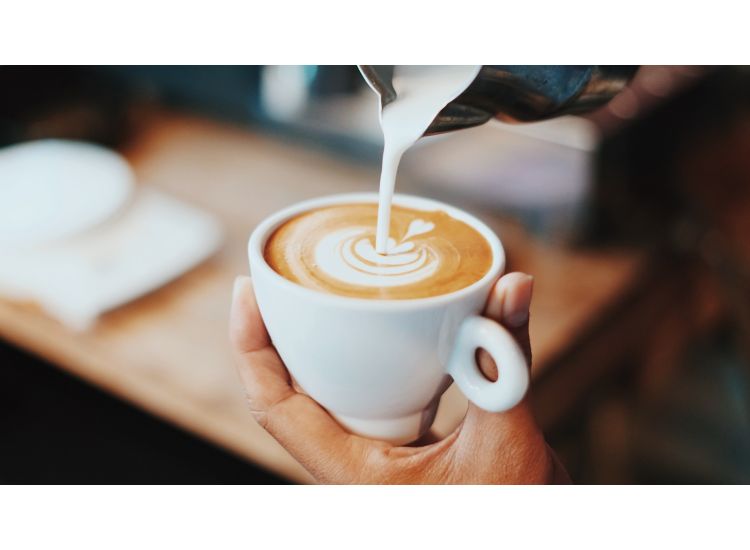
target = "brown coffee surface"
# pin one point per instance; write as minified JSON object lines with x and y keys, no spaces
{"x":332,"y":249}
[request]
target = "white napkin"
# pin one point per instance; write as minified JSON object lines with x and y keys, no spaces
{"x":151,"y":241}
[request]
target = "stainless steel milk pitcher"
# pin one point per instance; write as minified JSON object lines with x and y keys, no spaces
{"x":517,"y":93}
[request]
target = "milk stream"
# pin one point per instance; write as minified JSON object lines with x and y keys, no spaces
{"x":422,"y":92}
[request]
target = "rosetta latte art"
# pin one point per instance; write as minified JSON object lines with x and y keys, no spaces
{"x":333,"y":250}
{"x":349,"y":255}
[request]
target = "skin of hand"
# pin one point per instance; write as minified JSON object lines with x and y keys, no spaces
{"x":486,"y":448}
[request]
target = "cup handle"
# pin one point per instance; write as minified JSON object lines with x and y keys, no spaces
{"x":513,"y":372}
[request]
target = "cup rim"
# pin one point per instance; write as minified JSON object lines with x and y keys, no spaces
{"x":263,"y":230}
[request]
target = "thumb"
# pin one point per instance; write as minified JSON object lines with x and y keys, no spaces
{"x":509,"y":304}
{"x":514,"y":430}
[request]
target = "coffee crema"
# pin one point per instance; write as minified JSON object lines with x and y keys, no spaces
{"x":332,"y":249}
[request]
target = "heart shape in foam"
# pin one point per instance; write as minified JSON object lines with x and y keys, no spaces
{"x":418,"y":227}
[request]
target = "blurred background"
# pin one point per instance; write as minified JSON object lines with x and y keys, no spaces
{"x":114,"y":363}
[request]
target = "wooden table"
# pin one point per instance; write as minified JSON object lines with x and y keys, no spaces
{"x":168,"y":352}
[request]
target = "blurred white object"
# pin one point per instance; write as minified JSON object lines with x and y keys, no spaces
{"x":284,"y":90}
{"x":153,"y":241}
{"x":77,"y":239}
{"x":52,"y":189}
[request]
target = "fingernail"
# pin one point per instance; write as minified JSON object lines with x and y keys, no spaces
{"x":239,"y":283}
{"x":516,"y":304}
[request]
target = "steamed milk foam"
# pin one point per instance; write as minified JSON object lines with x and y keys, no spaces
{"x":422,"y":92}
{"x":331,"y":249}
{"x":369,"y":251}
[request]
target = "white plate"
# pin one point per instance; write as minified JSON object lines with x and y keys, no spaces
{"x":51,"y":189}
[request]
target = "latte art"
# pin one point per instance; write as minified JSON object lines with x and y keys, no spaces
{"x":333,"y":249}
{"x":349,"y":256}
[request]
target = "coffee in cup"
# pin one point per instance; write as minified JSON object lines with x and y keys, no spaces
{"x":332,"y":249}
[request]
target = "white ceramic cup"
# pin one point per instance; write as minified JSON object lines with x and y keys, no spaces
{"x":380,"y":366}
